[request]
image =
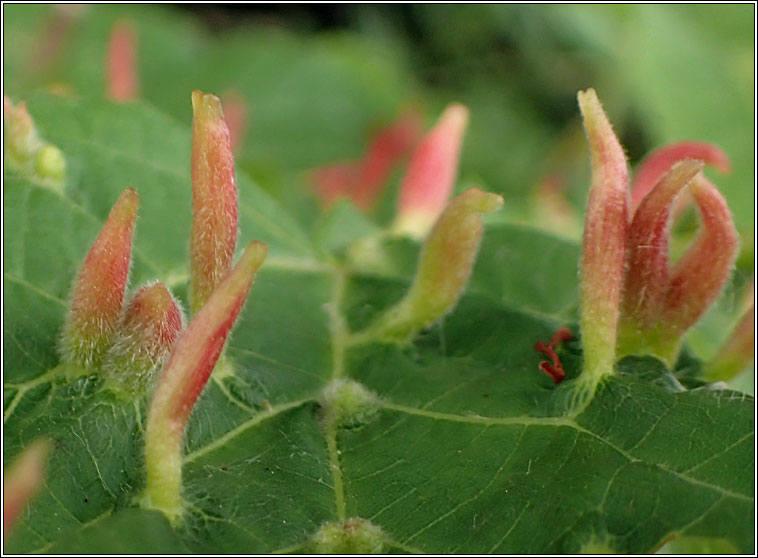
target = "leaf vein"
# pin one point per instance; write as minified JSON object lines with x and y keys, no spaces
{"x":553,"y":421}
{"x":509,"y":531}
{"x":26,"y":284}
{"x":719,"y":454}
{"x":241,"y":428}
{"x":478,"y":494}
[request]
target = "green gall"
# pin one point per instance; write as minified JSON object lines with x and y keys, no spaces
{"x":27,"y":153}
{"x":595,"y":546}
{"x":444,"y":267}
{"x":50,"y":166}
{"x":348,"y":404}
{"x":150,"y":324}
{"x":351,"y":536}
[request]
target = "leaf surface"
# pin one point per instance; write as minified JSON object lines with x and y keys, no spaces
{"x":471,"y":448}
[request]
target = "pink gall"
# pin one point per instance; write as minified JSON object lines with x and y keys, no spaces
{"x":604,"y":241}
{"x":431,"y":174}
{"x":184,"y":376}
{"x":214,"y":199}
{"x":123,"y":80}
{"x":22,"y":480}
{"x":98,"y":293}
{"x":151,"y":323}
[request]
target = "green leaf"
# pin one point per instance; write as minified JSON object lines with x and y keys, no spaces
{"x":152,"y":534}
{"x":468,"y":447}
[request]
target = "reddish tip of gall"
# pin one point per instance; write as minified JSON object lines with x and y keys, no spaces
{"x":554,"y":370}
{"x":657,"y":163}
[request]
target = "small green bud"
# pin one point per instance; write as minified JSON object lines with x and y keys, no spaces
{"x":27,"y":153}
{"x":50,"y":166}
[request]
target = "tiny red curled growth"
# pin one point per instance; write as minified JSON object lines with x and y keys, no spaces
{"x":554,"y":370}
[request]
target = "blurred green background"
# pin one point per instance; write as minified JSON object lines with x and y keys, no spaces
{"x":319,"y":79}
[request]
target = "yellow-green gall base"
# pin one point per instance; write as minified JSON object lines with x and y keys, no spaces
{"x":659,"y":341}
{"x":163,"y":463}
{"x":50,"y":167}
{"x":348,"y":404}
{"x":130,"y":374}
{"x":352,"y":536}
{"x":594,"y":546}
